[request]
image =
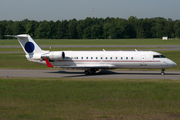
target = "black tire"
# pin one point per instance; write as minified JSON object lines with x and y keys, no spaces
{"x":86,"y":72}
{"x":93,"y":71}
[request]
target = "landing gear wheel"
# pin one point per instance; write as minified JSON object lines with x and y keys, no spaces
{"x":86,"y":72}
{"x":90,"y":71}
{"x":93,"y":71}
{"x":162,"y":72}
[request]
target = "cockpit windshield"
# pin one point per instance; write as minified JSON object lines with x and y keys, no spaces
{"x":159,"y":56}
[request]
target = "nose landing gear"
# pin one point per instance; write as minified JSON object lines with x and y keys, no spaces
{"x":162,"y":72}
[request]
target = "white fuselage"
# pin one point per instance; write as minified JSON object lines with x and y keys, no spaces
{"x":112,"y":60}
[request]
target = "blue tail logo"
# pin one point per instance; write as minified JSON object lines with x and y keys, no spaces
{"x":29,"y":47}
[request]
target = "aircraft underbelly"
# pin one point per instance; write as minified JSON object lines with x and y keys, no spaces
{"x":112,"y":64}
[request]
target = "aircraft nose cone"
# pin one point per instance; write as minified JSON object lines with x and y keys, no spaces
{"x":174,"y":64}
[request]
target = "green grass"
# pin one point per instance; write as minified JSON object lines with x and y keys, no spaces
{"x":81,"y":48}
{"x":97,"y":42}
{"x":11,"y":50}
{"x":92,"y":99}
{"x":19,"y":61}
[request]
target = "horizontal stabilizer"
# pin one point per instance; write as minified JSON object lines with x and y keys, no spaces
{"x":18,"y":36}
{"x":10,"y":35}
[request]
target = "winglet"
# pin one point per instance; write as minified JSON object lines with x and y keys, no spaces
{"x":48,"y":63}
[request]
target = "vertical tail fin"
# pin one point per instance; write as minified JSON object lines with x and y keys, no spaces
{"x":28,"y":44}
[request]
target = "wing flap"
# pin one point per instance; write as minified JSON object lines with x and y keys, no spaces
{"x":87,"y":67}
{"x":104,"y":66}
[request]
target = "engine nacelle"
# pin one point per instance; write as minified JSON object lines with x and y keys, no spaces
{"x":56,"y":55}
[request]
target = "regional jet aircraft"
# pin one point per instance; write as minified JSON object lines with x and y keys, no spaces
{"x":92,"y":61}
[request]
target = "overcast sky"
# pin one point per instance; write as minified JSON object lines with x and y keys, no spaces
{"x":80,"y":9}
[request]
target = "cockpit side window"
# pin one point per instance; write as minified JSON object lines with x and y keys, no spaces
{"x":159,"y":56}
{"x":162,"y":56}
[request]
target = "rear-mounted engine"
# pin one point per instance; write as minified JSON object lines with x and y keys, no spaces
{"x":56,"y":55}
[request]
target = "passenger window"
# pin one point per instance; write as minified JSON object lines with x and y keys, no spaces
{"x":101,"y":57}
{"x":81,"y":57}
{"x":111,"y":58}
{"x":91,"y":57}
{"x":131,"y":58}
{"x":126,"y":58}
{"x":121,"y":58}
{"x":86,"y":57}
{"x":116,"y":58}
{"x":96,"y":57}
{"x":106,"y":57}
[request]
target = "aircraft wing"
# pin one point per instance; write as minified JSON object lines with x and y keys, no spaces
{"x":84,"y":67}
{"x":81,"y":66}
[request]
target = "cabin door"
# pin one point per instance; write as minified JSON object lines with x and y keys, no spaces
{"x":143,"y":60}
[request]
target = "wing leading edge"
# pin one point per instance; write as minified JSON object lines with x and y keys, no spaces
{"x":79,"y":66}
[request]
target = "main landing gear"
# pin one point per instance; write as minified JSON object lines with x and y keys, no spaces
{"x":90,"y":71}
{"x":162,"y":72}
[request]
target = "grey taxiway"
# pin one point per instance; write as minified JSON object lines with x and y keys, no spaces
{"x":113,"y":74}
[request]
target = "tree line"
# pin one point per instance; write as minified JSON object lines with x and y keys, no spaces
{"x":93,"y":28}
